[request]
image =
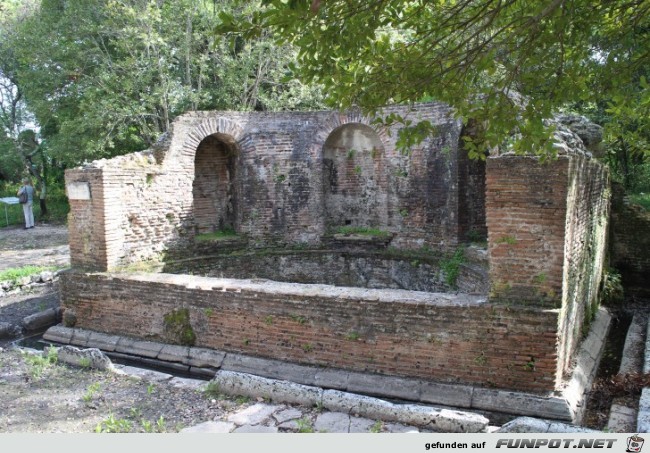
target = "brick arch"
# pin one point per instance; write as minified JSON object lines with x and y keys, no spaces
{"x":218,"y":125}
{"x":337,"y":120}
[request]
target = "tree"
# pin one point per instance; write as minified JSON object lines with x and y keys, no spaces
{"x":108,"y":77}
{"x":508,"y":64}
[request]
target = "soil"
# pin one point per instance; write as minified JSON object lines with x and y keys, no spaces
{"x":54,"y":397}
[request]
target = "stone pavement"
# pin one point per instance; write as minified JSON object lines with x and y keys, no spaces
{"x":264,"y":417}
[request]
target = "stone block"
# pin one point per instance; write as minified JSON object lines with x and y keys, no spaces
{"x":256,"y":429}
{"x":254,"y":415}
{"x":521,"y":403}
{"x":80,"y":337}
{"x":443,"y":420}
{"x":85,"y":358}
{"x":643,"y":418}
{"x":209,"y":427}
{"x":58,"y":334}
{"x":234,"y":383}
{"x":287,"y":414}
{"x":273,"y":369}
{"x":332,"y":378}
{"x":386,"y":386}
{"x":174,"y":353}
{"x":332,"y":422}
{"x":8,"y":330}
{"x":103,"y":341}
{"x":40,"y":320}
{"x":446,"y":394}
{"x":204,"y":358}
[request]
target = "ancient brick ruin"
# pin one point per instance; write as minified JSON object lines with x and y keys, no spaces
{"x":308,"y":238}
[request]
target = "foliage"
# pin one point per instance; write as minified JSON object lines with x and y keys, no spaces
{"x":215,"y":236}
{"x":612,"y":288}
{"x":107,"y":77}
{"x":450,"y":266}
{"x":364,"y":231}
{"x":114,"y":425}
{"x":90,"y":392}
{"x":40,"y":362}
{"x":179,"y":328}
{"x":212,"y":391}
{"x":304,"y":425}
{"x":641,"y":199}
{"x":15,"y":274}
{"x":507,"y":65}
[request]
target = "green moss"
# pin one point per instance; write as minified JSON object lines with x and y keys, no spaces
{"x":364,"y":231}
{"x":511,"y":240}
{"x":215,"y":236}
{"x":178,"y":327}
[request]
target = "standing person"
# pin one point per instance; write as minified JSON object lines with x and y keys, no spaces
{"x":27,"y":207}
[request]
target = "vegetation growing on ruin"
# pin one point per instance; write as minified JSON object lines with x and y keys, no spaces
{"x":178,"y":327}
{"x":363,"y":231}
{"x":220,"y":235}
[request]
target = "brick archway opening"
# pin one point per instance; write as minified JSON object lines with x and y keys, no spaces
{"x":214,"y":188}
{"x":354,"y":178}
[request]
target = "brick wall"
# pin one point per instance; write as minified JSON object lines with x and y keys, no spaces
{"x":276,"y":189}
{"x":526,"y":205}
{"x":363,"y":269}
{"x":547,"y":226}
{"x":588,"y":200}
{"x":86,"y":226}
{"x":450,"y":338}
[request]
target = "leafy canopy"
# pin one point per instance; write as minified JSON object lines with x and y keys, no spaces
{"x":508,"y":64}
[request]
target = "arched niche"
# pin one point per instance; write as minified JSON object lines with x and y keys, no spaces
{"x":214,"y":188}
{"x":354,"y":178}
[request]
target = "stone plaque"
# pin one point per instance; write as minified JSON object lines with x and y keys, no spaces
{"x":78,"y":191}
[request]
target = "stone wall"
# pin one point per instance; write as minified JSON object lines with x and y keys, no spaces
{"x":362,"y":269}
{"x":439,"y":337}
{"x":291,"y":178}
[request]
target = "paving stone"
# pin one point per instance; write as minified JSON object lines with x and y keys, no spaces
{"x":332,"y":422}
{"x":291,"y":425}
{"x":443,"y":420}
{"x":210,"y":427}
{"x":521,"y":403}
{"x":253,"y":415}
{"x":361,"y":425}
{"x":256,"y":429}
{"x":287,"y":414}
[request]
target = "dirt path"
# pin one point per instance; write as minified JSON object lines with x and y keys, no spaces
{"x":43,"y":245}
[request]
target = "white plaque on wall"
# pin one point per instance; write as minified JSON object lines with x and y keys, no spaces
{"x":78,"y":191}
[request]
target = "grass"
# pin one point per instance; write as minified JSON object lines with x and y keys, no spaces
{"x":642,"y":199}
{"x":15,"y":274}
{"x":215,"y":236}
{"x":364,"y":231}
{"x":57,"y":207}
{"x":38,"y":363}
